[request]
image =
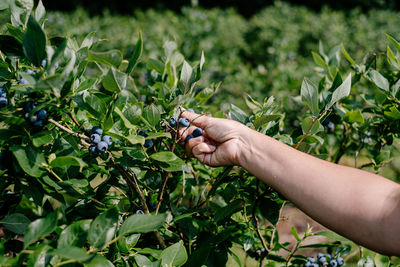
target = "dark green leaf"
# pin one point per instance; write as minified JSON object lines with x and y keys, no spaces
{"x":16,"y":223}
{"x":142,"y":223}
{"x":164,"y":156}
{"x":34,"y":42}
{"x":135,"y":55}
{"x":29,"y":159}
{"x":174,"y":255}
{"x":40,"y":228}
{"x":379,"y":80}
{"x":152,"y":114}
{"x":66,"y":161}
{"x":98,"y":261}
{"x":115,"y":81}
{"x":73,"y":253}
{"x":309,"y":95}
{"x":112,"y":57}
{"x":10,"y":46}
{"x":353,"y":116}
{"x":74,"y":234}
{"x":102,"y":229}
{"x":42,"y":138}
{"x":341,"y":92}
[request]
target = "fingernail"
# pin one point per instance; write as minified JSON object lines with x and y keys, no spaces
{"x":211,"y":147}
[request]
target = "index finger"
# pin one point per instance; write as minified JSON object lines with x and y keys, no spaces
{"x":198,"y":120}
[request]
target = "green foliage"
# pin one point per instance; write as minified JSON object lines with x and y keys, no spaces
{"x":152,"y":205}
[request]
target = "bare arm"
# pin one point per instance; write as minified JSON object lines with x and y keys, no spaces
{"x":359,"y":205}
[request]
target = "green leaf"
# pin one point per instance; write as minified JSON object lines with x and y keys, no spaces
{"x":309,"y":95}
{"x":332,"y":235}
{"x":115,"y":81}
{"x":127,"y":242}
{"x":228,"y":210}
{"x":260,"y":121}
{"x":4,"y":4}
{"x":95,"y":105}
{"x":72,"y":253}
{"x":66,"y":161}
{"x":127,"y":123}
{"x":237,"y":114}
{"x":143,"y":261}
{"x":159,"y":135}
{"x":320,"y":61}
{"x":16,"y":223}
{"x":394,"y":42}
{"x":112,"y":57}
{"x":269,"y":210}
{"x":394,"y":113}
{"x":10,"y":46}
{"x":175,"y":166}
{"x":34,"y":42}
{"x":74,"y":235}
{"x":347,"y":56}
{"x":174,"y":255}
{"x":142,"y":223}
{"x":98,"y":261}
{"x":87,"y":84}
{"x":40,"y":228}
{"x":186,"y":74}
{"x":353,"y":116}
{"x":102,"y":229}
{"x":294,"y":233}
{"x":42,"y":138}
{"x":378,"y":79}
{"x":135,"y":55}
{"x":306,"y":125}
{"x":164,"y":156}
{"x":341,"y":92}
{"x":156,"y":65}
{"x":152,"y":114}
{"x":29,"y":159}
{"x":39,"y":11}
{"x":381,"y":260}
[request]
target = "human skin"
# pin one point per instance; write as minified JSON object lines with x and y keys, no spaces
{"x":362,"y":206}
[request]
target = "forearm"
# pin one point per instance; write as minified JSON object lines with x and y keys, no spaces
{"x":359,"y":205}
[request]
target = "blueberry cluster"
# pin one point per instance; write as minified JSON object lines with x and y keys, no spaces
{"x":36,"y":119}
{"x":148,"y":143}
{"x":324,"y":260}
{"x":98,"y":144}
{"x":197,"y":132}
{"x":329,"y":125}
{"x":182,"y":122}
{"x":3,"y":97}
{"x":257,"y":254}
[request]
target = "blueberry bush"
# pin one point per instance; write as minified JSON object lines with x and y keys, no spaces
{"x":93,"y":174}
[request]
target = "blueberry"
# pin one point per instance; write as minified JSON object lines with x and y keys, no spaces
{"x":308,"y":264}
{"x":35,"y":104}
{"x":44,"y":63}
{"x":34,"y":118}
{"x":188,"y":138}
{"x":30,"y":72}
{"x":1,"y":85}
{"x":325,"y":122}
{"x":93,"y":149}
{"x":320,"y":255}
{"x":95,"y":138}
{"x":107,"y":139}
{"x":26,"y":116}
{"x":197,"y":132}
{"x":190,"y":110}
{"x":148,"y":143}
{"x":28,"y":107}
{"x":97,"y":130}
{"x":311,"y":259}
{"x":3,"y":102}
{"x":38,"y":123}
{"x":22,"y":81}
{"x":42,"y":114}
{"x":333,"y":263}
{"x":184,"y":122}
{"x":139,"y":212}
{"x":315,"y":265}
{"x":340,"y":261}
{"x":3,"y":94}
{"x":331,"y":127}
{"x":172,"y":121}
{"x":322,"y":259}
{"x":102,"y":147}
{"x":142,"y":133}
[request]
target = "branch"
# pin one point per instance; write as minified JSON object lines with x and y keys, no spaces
{"x":82,"y":136}
{"x":309,"y":130}
{"x":253,"y":213}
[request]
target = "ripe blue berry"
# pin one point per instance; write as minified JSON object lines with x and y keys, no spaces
{"x":311,"y":259}
{"x":188,"y":138}
{"x":142,"y":133}
{"x":320,"y":255}
{"x":331,"y":127}
{"x":102,"y":147}
{"x":97,"y":130}
{"x":322,"y":259}
{"x":333,"y":263}
{"x":44,"y":63}
{"x":34,"y":118}
{"x":308,"y":264}
{"x":107,"y":139}
{"x":38,"y":123}
{"x":42,"y":114}
{"x":30,"y":72}
{"x":148,"y":143}
{"x":173,"y":121}
{"x":190,"y":110}
{"x":3,"y":102}
{"x":340,"y":261}
{"x":3,"y":94}
{"x":28,"y":107}
{"x":184,"y":122}
{"x":95,"y":138}
{"x":139,"y":212}
{"x":197,"y":132}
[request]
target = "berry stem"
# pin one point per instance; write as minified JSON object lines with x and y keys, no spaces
{"x":309,"y":130}
{"x":84,"y":137}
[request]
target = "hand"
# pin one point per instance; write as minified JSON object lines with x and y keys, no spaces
{"x":221,"y":143}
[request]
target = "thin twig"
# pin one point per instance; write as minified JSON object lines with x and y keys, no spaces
{"x":264,"y":244}
{"x":161,"y":196}
{"x":84,"y":137}
{"x":271,"y":243}
{"x":309,"y":130}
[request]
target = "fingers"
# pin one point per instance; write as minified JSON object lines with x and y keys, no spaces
{"x":196,"y":119}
